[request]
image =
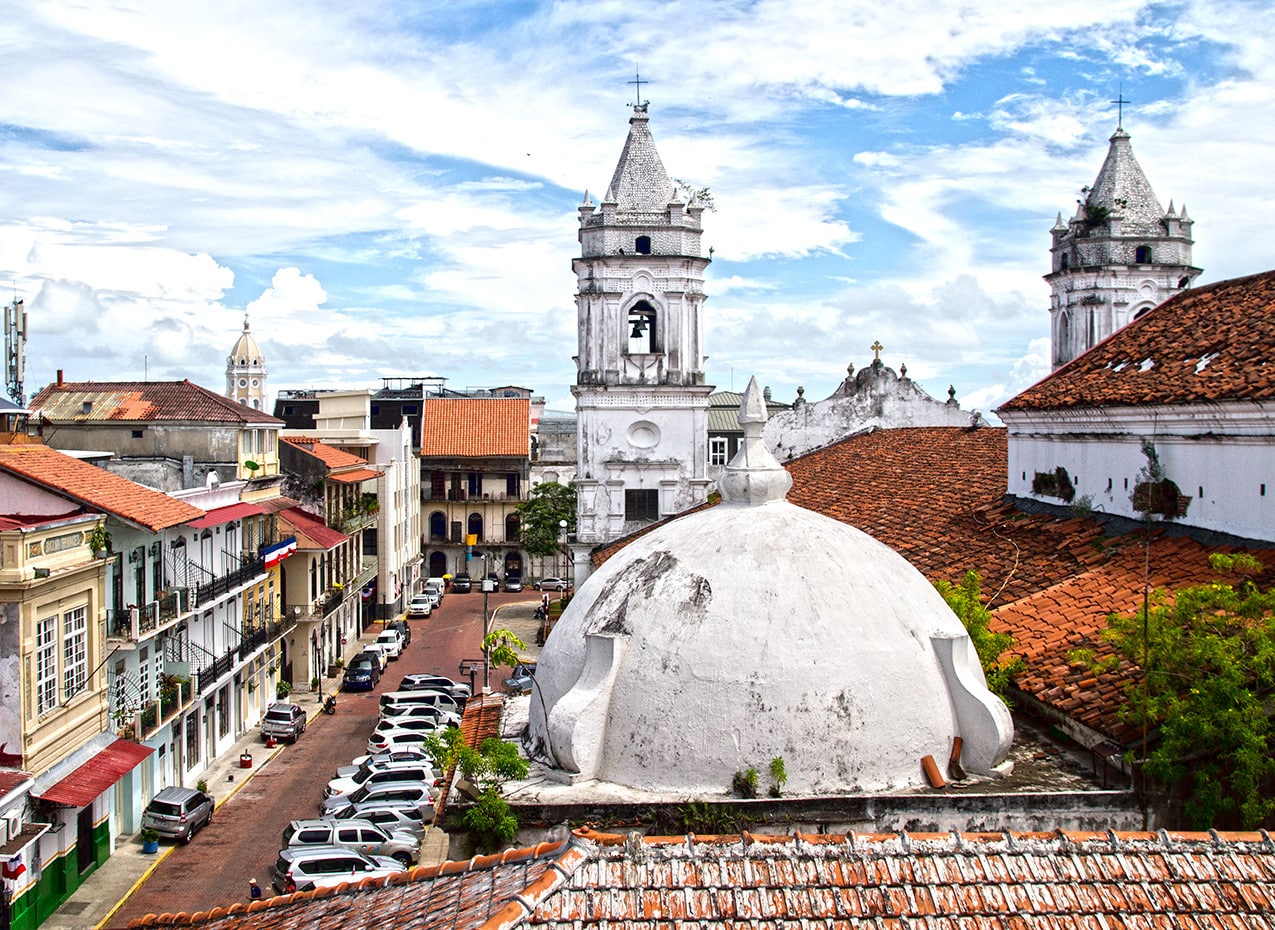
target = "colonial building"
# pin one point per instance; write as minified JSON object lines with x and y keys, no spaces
{"x":641,"y":400}
{"x":246,"y":371}
{"x":1119,"y":255}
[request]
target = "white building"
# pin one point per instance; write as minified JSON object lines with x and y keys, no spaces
{"x":1193,"y":380}
{"x":641,"y":400}
{"x":1120,"y":255}
{"x":246,"y":371}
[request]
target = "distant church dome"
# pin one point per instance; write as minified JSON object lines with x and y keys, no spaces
{"x":757,"y":629}
{"x":246,"y":371}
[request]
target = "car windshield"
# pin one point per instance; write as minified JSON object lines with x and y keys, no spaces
{"x":279,"y":716}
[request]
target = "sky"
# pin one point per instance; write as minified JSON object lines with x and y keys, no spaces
{"x":389,"y":189}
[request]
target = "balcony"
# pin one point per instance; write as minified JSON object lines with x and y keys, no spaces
{"x":253,"y":639}
{"x":237,"y":578}
{"x":175,"y":697}
{"x":462,"y":494}
{"x":135,"y":624}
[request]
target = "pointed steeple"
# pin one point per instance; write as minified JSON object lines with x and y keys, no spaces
{"x":640,"y":183}
{"x":1123,"y":190}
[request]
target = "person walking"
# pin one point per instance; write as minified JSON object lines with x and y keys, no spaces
{"x":254,"y":890}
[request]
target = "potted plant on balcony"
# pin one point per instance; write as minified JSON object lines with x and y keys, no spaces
{"x":100,"y":541}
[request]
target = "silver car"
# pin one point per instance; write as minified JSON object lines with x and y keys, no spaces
{"x":406,"y":792}
{"x":357,"y":834}
{"x":390,"y":816}
{"x":178,"y":813}
{"x":306,"y":867}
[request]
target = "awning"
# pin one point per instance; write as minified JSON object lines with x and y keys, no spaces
{"x":356,"y":476}
{"x":96,"y":775}
{"x":225,"y":515}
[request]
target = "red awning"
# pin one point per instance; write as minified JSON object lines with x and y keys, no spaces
{"x":225,"y":515}
{"x":352,"y":477}
{"x":96,"y":775}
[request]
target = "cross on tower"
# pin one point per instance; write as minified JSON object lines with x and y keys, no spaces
{"x":637,"y":79}
{"x":876,"y":348}
{"x":1120,"y":102}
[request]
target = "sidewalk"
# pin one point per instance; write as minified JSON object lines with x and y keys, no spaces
{"x":95,"y":902}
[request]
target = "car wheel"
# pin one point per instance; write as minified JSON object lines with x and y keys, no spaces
{"x":404,"y":860}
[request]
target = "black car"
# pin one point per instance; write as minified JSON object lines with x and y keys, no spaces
{"x":404,"y":630}
{"x":361,"y":674}
{"x":462,"y":584}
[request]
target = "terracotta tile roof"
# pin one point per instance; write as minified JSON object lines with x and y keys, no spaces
{"x":141,"y":402}
{"x":310,"y":531}
{"x":476,"y":427}
{"x":330,"y":456}
{"x":356,"y":476}
{"x":96,"y":488}
{"x":223,"y":515}
{"x":1206,"y":344}
{"x":980,"y":881}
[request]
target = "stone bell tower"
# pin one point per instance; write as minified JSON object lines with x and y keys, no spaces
{"x":641,"y":400}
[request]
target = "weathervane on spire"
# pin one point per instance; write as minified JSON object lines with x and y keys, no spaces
{"x":638,"y":102}
{"x":1120,"y":102}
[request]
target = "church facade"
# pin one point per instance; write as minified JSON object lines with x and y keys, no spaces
{"x":1120,"y":255}
{"x":641,"y":400}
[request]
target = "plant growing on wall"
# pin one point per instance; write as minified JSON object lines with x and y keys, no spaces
{"x":100,"y":539}
{"x":1154,"y":493}
{"x":966,"y":601}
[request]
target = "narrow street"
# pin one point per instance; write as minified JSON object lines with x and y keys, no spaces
{"x":242,"y":841}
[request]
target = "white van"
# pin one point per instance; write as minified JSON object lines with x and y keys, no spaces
{"x":435,"y":587}
{"x":425,"y":698}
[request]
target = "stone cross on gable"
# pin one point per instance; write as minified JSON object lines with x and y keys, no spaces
{"x":876,"y":348}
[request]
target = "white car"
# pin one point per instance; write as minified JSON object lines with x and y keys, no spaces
{"x":419,"y":724}
{"x":390,"y":740}
{"x":380,"y":758}
{"x":397,"y":712}
{"x":392,"y":642}
{"x":422,"y":605}
{"x":375,"y":774}
{"x":376,"y":649}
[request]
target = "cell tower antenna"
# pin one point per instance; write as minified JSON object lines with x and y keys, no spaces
{"x":15,"y":349}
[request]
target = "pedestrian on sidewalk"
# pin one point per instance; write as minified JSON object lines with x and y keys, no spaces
{"x":254,"y":890}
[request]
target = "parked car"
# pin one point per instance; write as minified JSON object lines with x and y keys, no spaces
{"x":357,"y":834}
{"x":404,"y":629}
{"x":375,"y":774}
{"x":401,"y":755}
{"x":513,"y":584}
{"x":390,"y":642}
{"x":398,"y":712}
{"x":283,"y":721}
{"x":396,"y":739}
{"x":375,"y":649}
{"x":422,"y":605}
{"x":422,"y":724}
{"x":435,"y":588}
{"x":521,"y":679}
{"x":178,"y":813}
{"x":551,"y":584}
{"x":361,"y":674}
{"x":419,"y":681}
{"x":392,"y":816}
{"x":304,"y":868}
{"x":439,"y":699}
{"x":462,"y":584}
{"x":414,"y":792}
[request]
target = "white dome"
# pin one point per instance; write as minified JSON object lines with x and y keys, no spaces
{"x":757,"y":629}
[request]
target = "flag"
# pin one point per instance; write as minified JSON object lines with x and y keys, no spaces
{"x":279,"y":551}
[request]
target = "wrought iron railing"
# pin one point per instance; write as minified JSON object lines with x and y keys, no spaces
{"x":235,"y":578}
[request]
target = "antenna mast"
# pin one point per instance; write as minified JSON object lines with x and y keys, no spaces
{"x":15,"y":350}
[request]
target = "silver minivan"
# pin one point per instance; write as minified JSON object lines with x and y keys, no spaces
{"x":357,"y":834}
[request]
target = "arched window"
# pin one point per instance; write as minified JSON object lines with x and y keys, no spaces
{"x":1062,"y":350}
{"x":643,"y":245}
{"x":476,"y":526}
{"x":641,"y":326}
{"x":1142,"y":255}
{"x":437,"y":525}
{"x":1064,"y":262}
{"x":511,"y":528}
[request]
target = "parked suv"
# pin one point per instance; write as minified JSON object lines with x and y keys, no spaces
{"x":360,"y":835}
{"x":422,"y":605}
{"x":370,"y":774}
{"x":421,"y":681}
{"x":405,"y":792}
{"x":462,"y":584}
{"x":283,"y":721}
{"x":178,"y":813}
{"x":388,"y":815}
{"x":303,"y":868}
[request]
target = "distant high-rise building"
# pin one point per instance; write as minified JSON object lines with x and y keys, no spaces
{"x":1120,"y":255}
{"x":246,"y":371}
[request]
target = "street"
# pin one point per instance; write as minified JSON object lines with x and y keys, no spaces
{"x":242,"y":842}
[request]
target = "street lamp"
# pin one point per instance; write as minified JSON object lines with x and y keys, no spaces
{"x":562,"y":524}
{"x":488,"y":587}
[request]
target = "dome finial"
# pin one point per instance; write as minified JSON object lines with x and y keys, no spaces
{"x":754,"y":476}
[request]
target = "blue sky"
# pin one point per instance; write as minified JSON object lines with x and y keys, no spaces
{"x":389,"y":189}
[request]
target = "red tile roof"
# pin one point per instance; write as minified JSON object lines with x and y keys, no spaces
{"x":97,"y":774}
{"x":223,"y":515}
{"x":980,"y":881}
{"x":356,"y":476}
{"x":1207,"y":344}
{"x":141,"y":402}
{"x":476,"y":427}
{"x":96,"y":488}
{"x":330,"y":456}
{"x":311,"y":532}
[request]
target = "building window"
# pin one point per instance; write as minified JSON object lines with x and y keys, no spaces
{"x":642,"y":335}
{"x":144,"y":675}
{"x":476,"y":525}
{"x":474,"y":483}
{"x":1142,"y":255}
{"x":511,"y":528}
{"x":513,"y":482}
{"x":223,"y":711}
{"x":437,"y":525}
{"x":642,"y":505}
{"x":717,"y":450}
{"x":74,"y":650}
{"x":137,"y":434}
{"x":643,"y":245}
{"x":46,"y":665}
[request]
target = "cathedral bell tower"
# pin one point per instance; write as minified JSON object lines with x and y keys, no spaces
{"x":641,"y":400}
{"x":1120,"y":255}
{"x":246,"y":371}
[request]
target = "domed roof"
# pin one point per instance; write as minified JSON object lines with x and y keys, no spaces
{"x":245,"y":351}
{"x":753,"y":630}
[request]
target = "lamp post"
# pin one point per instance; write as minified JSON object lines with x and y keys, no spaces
{"x":487,"y":587}
{"x":562,"y":524}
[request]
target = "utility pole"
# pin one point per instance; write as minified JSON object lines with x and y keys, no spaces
{"x":15,"y":350}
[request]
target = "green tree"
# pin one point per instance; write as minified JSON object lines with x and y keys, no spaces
{"x":501,"y":648}
{"x":1206,"y":654}
{"x":966,"y":601}
{"x":540,"y":517}
{"x":489,"y":819}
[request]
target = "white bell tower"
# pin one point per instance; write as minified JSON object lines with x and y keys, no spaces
{"x":246,"y":371}
{"x":641,"y":400}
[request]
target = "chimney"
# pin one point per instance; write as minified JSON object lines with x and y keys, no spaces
{"x":60,"y":381}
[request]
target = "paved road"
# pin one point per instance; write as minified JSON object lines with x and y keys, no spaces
{"x":242,"y":842}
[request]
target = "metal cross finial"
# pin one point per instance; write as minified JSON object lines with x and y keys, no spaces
{"x":637,"y":79}
{"x":1120,"y":102}
{"x":876,"y":348}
